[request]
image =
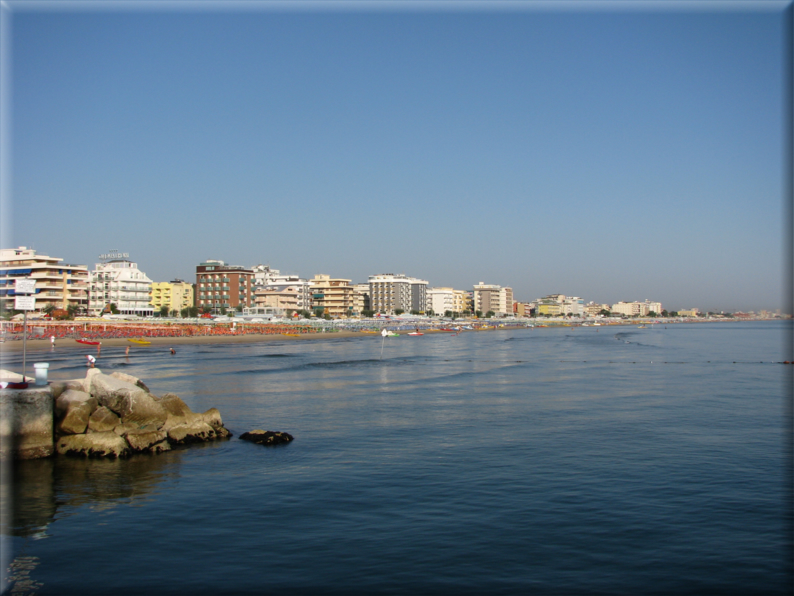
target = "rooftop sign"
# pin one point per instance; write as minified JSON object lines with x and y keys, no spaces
{"x":114,"y":254}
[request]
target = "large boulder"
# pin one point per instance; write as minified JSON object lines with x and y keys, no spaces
{"x":103,"y":420}
{"x":72,"y":397}
{"x":107,"y":444}
{"x":142,"y":409}
{"x":141,"y":440}
{"x":267,"y":437}
{"x":112,"y":392}
{"x":75,"y":419}
{"x":191,"y":432}
{"x":130,"y":379}
{"x":175,"y":406}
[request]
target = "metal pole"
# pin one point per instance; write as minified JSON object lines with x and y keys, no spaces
{"x":24,"y":344}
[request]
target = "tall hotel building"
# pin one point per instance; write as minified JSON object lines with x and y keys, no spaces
{"x":59,"y":285}
{"x":119,"y":281}
{"x":488,"y":297}
{"x":389,"y":292}
{"x":219,"y":285}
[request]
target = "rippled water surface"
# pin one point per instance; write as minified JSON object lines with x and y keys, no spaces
{"x":535,"y":461}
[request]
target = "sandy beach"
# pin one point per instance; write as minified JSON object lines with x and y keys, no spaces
{"x":159,"y":342}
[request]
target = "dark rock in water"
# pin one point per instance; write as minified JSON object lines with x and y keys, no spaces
{"x":266,"y":437}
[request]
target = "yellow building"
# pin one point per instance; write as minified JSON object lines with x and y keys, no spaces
{"x":552,"y":309}
{"x":334,"y":297}
{"x":176,"y":295}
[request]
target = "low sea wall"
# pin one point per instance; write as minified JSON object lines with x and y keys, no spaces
{"x":26,"y":423}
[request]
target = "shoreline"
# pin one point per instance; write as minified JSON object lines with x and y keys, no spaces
{"x":250,"y":338}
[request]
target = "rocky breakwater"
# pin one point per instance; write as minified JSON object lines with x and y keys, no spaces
{"x":116,"y":415}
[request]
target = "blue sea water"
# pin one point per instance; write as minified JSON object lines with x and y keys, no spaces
{"x":599,"y":460}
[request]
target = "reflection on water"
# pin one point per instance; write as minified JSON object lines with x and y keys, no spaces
{"x":44,"y":489}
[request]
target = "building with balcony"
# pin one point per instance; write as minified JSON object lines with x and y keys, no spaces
{"x":441,"y":300}
{"x":634,"y":309}
{"x":59,"y":285}
{"x":489,"y":297}
{"x":389,"y":292}
{"x":271,"y":288}
{"x":118,"y":281}
{"x":332,"y":296}
{"x":176,"y":295}
{"x":361,"y":300}
{"x":221,"y":286}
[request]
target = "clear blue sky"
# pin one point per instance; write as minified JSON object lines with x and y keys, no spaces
{"x":608,"y":153}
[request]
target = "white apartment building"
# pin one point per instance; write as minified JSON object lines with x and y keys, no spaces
{"x":632,"y":309}
{"x":441,"y":300}
{"x":270,"y":282}
{"x":58,"y":284}
{"x":490,"y":297}
{"x":389,"y":292}
{"x":119,"y":281}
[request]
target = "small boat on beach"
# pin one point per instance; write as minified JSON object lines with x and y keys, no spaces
{"x":140,"y":342}
{"x":291,"y":334}
{"x":415,"y":333}
{"x":88,"y":342}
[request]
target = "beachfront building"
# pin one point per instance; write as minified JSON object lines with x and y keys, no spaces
{"x":271,"y":287}
{"x":523,"y":309}
{"x":389,"y":293}
{"x":361,"y":300}
{"x":560,"y":305}
{"x":176,"y":295}
{"x":688,"y":312}
{"x":118,"y":282}
{"x":220,"y":286}
{"x":332,"y":296}
{"x":634,"y":309}
{"x":493,"y":298}
{"x":593,"y":309}
{"x":440,"y":300}
{"x":58,"y":285}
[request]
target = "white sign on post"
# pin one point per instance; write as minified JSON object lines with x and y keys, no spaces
{"x":24,"y":302}
{"x":25,"y":286}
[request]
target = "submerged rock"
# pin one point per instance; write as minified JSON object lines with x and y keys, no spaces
{"x":266,"y":437}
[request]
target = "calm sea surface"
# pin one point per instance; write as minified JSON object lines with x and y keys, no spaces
{"x":611,"y":460}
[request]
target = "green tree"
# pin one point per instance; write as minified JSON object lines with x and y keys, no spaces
{"x":429,"y":312}
{"x":673,"y":313}
{"x":47,"y":310}
{"x":163,"y":312}
{"x":398,"y":311}
{"x":489,"y":314}
{"x":114,"y":310}
{"x":173,"y":313}
{"x":205,"y":309}
{"x":604,"y":312}
{"x":224,"y":310}
{"x":73,"y":310}
{"x":448,"y":313}
{"x":665,"y":313}
{"x":478,"y":313}
{"x":239,"y":308}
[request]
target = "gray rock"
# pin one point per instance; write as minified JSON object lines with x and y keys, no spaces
{"x":103,"y":420}
{"x":193,"y":432}
{"x":107,"y":444}
{"x":75,"y":420}
{"x":267,"y":437}
{"x":175,"y":405}
{"x":72,"y":397}
{"x":130,"y":379}
{"x":213,"y":418}
{"x":141,"y":440}
{"x":76,"y":385}
{"x":111,"y":392}
{"x":142,"y":409}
